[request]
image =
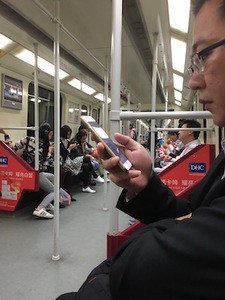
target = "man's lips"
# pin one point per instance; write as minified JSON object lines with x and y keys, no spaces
{"x":206,"y":103}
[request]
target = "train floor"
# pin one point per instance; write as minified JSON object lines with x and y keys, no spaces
{"x":27,"y":269}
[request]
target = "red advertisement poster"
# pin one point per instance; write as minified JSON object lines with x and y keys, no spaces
{"x":188,"y":169}
{"x":16,"y":176}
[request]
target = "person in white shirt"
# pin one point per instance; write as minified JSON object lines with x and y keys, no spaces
{"x":190,"y":140}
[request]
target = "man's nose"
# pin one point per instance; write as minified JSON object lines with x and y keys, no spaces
{"x":197,"y":82}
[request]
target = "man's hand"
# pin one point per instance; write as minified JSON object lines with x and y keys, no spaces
{"x":136,"y":179}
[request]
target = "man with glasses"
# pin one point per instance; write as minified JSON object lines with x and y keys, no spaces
{"x":180,"y":254}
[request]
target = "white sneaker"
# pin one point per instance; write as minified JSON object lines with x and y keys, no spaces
{"x":50,"y":207}
{"x":88,"y":190}
{"x":99,"y":179}
{"x":132,"y":221}
{"x":42,"y":213}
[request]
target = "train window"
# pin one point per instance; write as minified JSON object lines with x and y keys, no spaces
{"x":95,"y":114}
{"x":84,"y":110}
{"x":73,"y":113}
{"x":46,"y":105}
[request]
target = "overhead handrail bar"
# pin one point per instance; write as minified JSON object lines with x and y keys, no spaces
{"x":65,"y":30}
{"x":124,"y":115}
{"x":182,"y":129}
{"x":19,"y":128}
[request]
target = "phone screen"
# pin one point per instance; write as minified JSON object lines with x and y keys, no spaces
{"x":103,"y":137}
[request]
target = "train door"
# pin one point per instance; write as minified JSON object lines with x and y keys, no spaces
{"x":46,"y":106}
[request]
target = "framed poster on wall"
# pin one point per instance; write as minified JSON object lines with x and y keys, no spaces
{"x":12,"y":92}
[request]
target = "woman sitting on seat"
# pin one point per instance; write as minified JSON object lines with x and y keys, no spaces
{"x":78,"y":161}
{"x":46,"y":180}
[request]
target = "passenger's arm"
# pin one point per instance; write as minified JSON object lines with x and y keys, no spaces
{"x":144,"y":197}
{"x":173,"y":259}
{"x":157,"y":201}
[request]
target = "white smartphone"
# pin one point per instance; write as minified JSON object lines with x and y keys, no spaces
{"x":101,"y":136}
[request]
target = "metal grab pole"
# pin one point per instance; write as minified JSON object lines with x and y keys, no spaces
{"x":36,"y":116}
{"x":115,"y":105}
{"x":105,"y":122}
{"x":56,"y":255}
{"x":154,"y":88}
{"x":126,"y":124}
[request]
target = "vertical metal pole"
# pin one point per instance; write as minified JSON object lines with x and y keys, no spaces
{"x":115,"y":105}
{"x":154,"y":86}
{"x":126,"y":124}
{"x":36,"y":110}
{"x":56,"y":255}
{"x":105,"y":122}
{"x":139,"y":129}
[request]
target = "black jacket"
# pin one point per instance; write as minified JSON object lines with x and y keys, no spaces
{"x":171,"y":259}
{"x":168,"y":259}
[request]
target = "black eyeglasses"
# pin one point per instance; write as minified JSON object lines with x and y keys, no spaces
{"x":197,"y":60}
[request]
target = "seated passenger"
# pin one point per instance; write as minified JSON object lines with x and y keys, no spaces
{"x":188,"y":138}
{"x":95,"y":161}
{"x":175,"y":145}
{"x":46,"y":180}
{"x":133,"y":132}
{"x":6,"y":136}
{"x":65,"y":149}
{"x":78,"y":161}
{"x":142,"y":141}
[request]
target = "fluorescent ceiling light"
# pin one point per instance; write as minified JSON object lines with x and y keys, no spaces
{"x":177,"y":95}
{"x":43,"y":64}
{"x":73,"y":109}
{"x":81,"y":86}
{"x":178,"y":103}
{"x":4,"y":41}
{"x":75,"y":83}
{"x":179,"y":14}
{"x":33,"y":100}
{"x":100,"y":97}
{"x":178,"y":82}
{"x":178,"y":54}
{"x":87,"y":89}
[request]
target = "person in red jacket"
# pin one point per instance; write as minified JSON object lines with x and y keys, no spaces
{"x":180,"y":253}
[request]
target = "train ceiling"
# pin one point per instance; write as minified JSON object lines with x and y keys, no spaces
{"x":89,"y":23}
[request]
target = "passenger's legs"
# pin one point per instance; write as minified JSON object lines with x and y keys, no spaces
{"x":46,"y":181}
{"x":94,"y":174}
{"x":86,"y":177}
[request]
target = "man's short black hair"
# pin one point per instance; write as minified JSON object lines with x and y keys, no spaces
{"x":197,"y":4}
{"x":192,"y":124}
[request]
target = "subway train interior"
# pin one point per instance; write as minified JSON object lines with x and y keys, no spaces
{"x":120,"y":61}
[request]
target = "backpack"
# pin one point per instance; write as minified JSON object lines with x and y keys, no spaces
{"x":27,"y":155}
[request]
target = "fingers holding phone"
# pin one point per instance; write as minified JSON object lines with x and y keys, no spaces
{"x":138,"y":176}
